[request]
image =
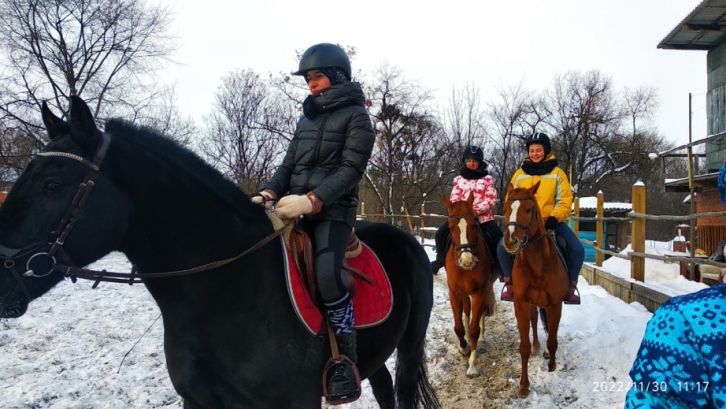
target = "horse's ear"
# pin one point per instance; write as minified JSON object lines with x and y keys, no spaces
{"x":470,"y":199}
{"x":509,"y":189}
{"x":535,"y":187}
{"x":50,"y":121}
{"x":85,"y":132}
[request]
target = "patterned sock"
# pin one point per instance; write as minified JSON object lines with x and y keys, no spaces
{"x":340,"y":314}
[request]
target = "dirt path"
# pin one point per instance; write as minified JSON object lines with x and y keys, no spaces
{"x":498,"y":360}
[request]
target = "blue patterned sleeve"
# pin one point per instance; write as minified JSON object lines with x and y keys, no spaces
{"x":680,"y":363}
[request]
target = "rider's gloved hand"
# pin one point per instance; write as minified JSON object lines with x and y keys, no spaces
{"x":292,"y":206}
{"x":551,"y":223}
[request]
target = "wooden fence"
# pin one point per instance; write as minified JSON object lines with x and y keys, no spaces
{"x":626,"y":290}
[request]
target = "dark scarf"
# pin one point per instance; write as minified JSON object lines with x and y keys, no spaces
{"x":469,"y":174}
{"x":332,"y":98}
{"x":538,"y":169}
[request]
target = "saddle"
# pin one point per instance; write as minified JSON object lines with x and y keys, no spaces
{"x":563,"y":250}
{"x":301,"y":251}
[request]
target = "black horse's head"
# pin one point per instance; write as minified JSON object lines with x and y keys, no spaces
{"x":45,"y":207}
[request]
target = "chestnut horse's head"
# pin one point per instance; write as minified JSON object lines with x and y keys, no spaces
{"x":522,"y":218}
{"x":464,"y":231}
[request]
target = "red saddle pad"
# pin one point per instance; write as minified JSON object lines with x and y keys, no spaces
{"x":371,"y":305}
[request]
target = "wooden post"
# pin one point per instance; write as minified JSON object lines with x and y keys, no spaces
{"x":363,"y":210}
{"x":576,"y":224}
{"x":599,"y":228}
{"x":421,"y":229}
{"x":637,"y":264}
{"x":691,"y":172}
{"x":408,"y":218}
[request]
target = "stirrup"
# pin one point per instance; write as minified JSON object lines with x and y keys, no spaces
{"x":504,"y":291}
{"x":330,"y":367}
{"x":577,"y":292}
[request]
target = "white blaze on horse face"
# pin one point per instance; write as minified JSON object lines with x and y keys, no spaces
{"x":465,"y":259}
{"x":513,"y":217}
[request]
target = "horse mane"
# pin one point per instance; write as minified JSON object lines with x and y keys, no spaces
{"x":171,"y":152}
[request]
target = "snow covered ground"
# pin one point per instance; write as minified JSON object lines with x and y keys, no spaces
{"x":68,"y":351}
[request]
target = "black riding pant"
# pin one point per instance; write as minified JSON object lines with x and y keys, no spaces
{"x":330,"y":240}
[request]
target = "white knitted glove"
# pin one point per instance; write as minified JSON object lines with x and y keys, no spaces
{"x":264,"y":198}
{"x":292,"y":206}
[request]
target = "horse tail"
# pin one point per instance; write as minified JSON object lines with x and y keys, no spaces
{"x":543,"y":318}
{"x":490,"y":302}
{"x":425,"y":395}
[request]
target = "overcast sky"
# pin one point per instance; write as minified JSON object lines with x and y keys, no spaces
{"x":445,"y":44}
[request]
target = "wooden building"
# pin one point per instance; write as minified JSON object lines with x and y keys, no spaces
{"x":705,"y":29}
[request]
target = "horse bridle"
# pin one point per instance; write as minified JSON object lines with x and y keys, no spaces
{"x":465,"y":248}
{"x":56,"y":239}
{"x":525,"y":238}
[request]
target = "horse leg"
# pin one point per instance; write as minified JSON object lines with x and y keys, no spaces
{"x":477,"y":309}
{"x":481,"y":325}
{"x":522,"y":312}
{"x":457,"y":308}
{"x":543,"y":318}
{"x":382,"y":385}
{"x":533,"y":324}
{"x":554,"y":313}
{"x":466,"y":301}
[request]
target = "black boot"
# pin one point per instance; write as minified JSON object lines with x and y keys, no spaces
{"x":343,"y":382}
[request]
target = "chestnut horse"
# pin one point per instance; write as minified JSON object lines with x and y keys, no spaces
{"x":539,"y":277}
{"x":468,"y":274}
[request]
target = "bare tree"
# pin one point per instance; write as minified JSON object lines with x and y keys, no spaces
{"x":405,"y":165}
{"x":164,"y":116}
{"x":584,"y":114}
{"x":512,"y":119}
{"x":463,"y":120}
{"x":106,"y":51}
{"x":244,"y":133}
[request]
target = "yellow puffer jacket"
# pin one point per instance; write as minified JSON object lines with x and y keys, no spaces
{"x":554,"y":195}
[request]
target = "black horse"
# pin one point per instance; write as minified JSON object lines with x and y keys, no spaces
{"x":231,"y":337}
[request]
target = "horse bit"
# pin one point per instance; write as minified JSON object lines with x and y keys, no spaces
{"x":56,"y":239}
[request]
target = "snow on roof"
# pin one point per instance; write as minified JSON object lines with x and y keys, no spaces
{"x":591,"y":203}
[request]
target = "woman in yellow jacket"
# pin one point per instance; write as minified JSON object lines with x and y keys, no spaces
{"x":554,"y":197}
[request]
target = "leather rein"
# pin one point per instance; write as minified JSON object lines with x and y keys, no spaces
{"x":56,"y":239}
{"x":526,"y":242}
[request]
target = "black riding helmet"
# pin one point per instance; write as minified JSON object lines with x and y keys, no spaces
{"x":474,"y":152}
{"x":324,"y":55}
{"x":540,"y":138}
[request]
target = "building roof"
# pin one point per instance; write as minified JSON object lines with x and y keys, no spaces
{"x":705,"y":181}
{"x":703,"y":29}
{"x":590,"y":203}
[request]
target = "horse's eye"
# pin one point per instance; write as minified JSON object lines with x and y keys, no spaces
{"x":529,"y":211}
{"x":53,"y":186}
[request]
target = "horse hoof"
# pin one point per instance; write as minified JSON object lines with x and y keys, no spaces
{"x":546,"y":354}
{"x":472,"y":372}
{"x":551,"y":367}
{"x":523,"y":391}
{"x":465,"y":351}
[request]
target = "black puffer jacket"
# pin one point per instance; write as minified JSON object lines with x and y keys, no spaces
{"x":329,"y":152}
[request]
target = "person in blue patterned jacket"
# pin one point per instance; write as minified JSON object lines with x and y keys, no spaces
{"x":681,"y":362}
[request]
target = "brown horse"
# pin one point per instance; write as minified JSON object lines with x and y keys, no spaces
{"x":468,"y":274}
{"x":539,"y":278}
